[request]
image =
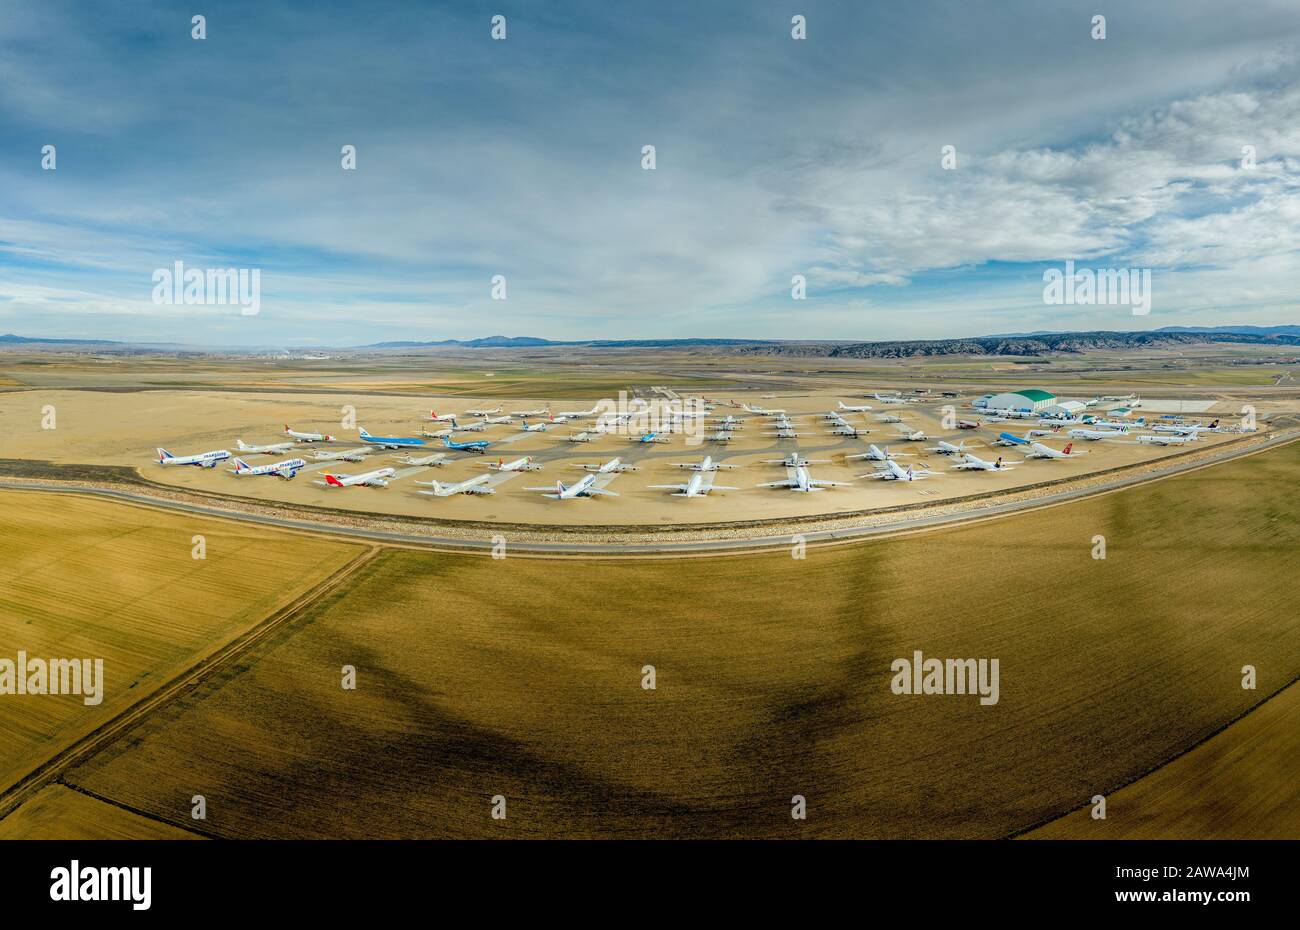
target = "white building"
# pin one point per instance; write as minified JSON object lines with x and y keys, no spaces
{"x":1064,"y":408}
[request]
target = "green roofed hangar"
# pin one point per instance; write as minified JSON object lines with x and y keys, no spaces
{"x":1030,"y":400}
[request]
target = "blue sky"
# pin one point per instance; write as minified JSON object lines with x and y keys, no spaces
{"x":522,"y":158}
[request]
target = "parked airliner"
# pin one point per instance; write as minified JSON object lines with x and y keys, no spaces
{"x":286,"y":469}
{"x":275,"y":448}
{"x":388,"y":442}
{"x":583,"y":488}
{"x":203,"y":459}
{"x":699,"y":485}
{"x":613,"y":466}
{"x":478,"y":445}
{"x":475,"y":485}
{"x":801,"y":481}
{"x":307,"y":437}
{"x":524,"y":464}
{"x":375,"y":479}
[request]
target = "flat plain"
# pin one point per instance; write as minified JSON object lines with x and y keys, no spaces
{"x":523,"y":678}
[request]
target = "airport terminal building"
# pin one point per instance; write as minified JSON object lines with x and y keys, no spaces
{"x":1030,"y":400}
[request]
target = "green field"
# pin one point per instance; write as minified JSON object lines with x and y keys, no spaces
{"x":522,"y":678}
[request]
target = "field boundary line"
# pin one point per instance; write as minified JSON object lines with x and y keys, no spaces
{"x":52,"y":769}
{"x":203,"y":834}
{"x":1019,"y":834}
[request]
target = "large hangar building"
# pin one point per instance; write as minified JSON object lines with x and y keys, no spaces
{"x":1030,"y":400}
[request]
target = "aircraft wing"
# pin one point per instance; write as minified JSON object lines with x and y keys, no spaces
{"x":602,"y":492}
{"x":479,"y":489}
{"x":777,"y":484}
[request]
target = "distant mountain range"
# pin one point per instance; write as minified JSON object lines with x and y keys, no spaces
{"x":10,"y":338}
{"x":1012,"y":344}
{"x":514,"y":342}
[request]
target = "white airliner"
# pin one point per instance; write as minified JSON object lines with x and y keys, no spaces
{"x":346,"y":455}
{"x":438,"y":458}
{"x":912,"y":435}
{"x":763,"y":411}
{"x":847,"y":430}
{"x":795,"y":460}
{"x":483,"y":411}
{"x":579,"y":437}
{"x":892,"y":471}
{"x":613,"y":466}
{"x":583,"y":488}
{"x":1178,"y":430}
{"x":286,"y":469}
{"x":523,"y":464}
{"x":874,"y":454}
{"x":889,"y":418}
{"x":706,"y":465}
{"x":436,"y":417}
{"x":1007,"y":413}
{"x":475,"y":485}
{"x":1040,"y":451}
{"x":947,"y":448}
{"x":539,"y":427}
{"x":436,"y":433}
{"x":374,"y":479}
{"x":203,"y":459}
{"x":543,"y":412}
{"x":275,"y":448}
{"x":728,"y":423}
{"x":1165,"y":439}
{"x":577,"y":414}
{"x":719,"y":437}
{"x":974,"y":463}
{"x":801,"y":481}
{"x":891,"y":399}
{"x":854,"y":408}
{"x":784,"y":432}
{"x":699,"y":485}
{"x":1092,"y":435}
{"x":307,"y":437}
{"x":494,"y":421}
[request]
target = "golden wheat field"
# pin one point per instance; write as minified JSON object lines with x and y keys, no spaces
{"x":59,"y":812}
{"x":83,"y":578}
{"x":1239,"y":784}
{"x":524,"y":678}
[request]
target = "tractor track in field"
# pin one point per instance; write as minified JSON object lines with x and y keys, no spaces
{"x":53,"y":769}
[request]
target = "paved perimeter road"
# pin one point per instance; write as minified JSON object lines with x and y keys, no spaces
{"x":903,"y":524}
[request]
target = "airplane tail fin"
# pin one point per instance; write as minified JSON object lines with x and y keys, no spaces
{"x":361,"y":431}
{"x":164,"y":455}
{"x":330,"y":479}
{"x":239,"y":444}
{"x":240,"y":464}
{"x":559,"y":487}
{"x":1068,"y":447}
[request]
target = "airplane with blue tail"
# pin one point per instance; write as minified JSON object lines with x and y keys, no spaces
{"x":388,"y":442}
{"x":478,"y":445}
